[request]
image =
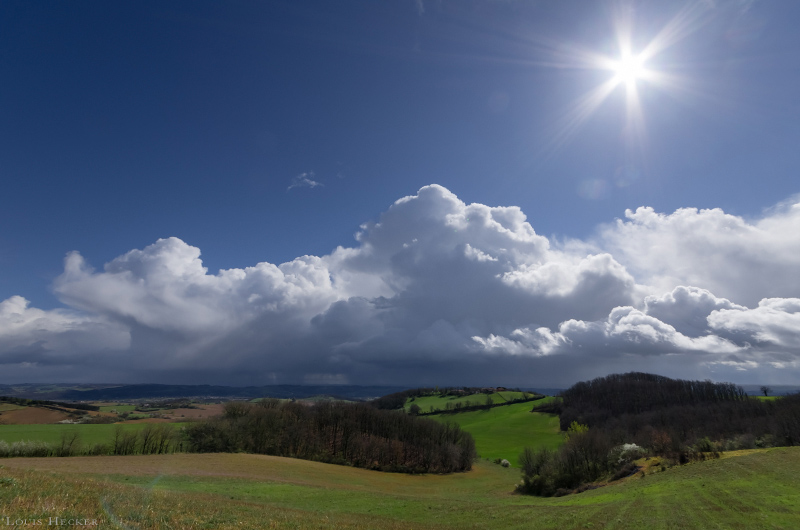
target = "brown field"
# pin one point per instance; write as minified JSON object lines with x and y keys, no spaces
{"x":32,"y":416}
{"x":202,"y":413}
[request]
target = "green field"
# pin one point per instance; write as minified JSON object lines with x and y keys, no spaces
{"x":89,"y":433}
{"x":758,"y":491}
{"x":439,"y":402}
{"x":502,"y":432}
{"x":9,"y":406}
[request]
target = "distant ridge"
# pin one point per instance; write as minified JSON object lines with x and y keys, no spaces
{"x":150,"y":391}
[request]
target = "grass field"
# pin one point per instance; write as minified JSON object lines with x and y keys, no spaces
{"x":439,"y":402}
{"x":760,"y":490}
{"x":89,"y":434}
{"x":502,"y":432}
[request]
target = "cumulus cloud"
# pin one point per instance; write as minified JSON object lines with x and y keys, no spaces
{"x":738,"y":259}
{"x":436,"y":291}
{"x":30,"y":335}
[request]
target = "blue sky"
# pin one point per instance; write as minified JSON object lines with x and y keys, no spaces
{"x":261,"y":132}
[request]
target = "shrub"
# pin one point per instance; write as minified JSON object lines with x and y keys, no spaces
{"x":29,"y":448}
{"x":625,"y":453}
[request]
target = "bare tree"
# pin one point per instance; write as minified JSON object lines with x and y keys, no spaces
{"x":765,"y":390}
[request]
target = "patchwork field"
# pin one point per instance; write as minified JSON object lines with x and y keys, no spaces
{"x":439,"y":402}
{"x":758,"y":490}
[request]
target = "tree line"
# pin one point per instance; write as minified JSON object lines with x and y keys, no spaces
{"x":354,"y":434}
{"x":680,"y":420}
{"x":59,"y":405}
{"x":153,"y":438}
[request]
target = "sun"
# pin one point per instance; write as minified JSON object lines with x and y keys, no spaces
{"x":629,"y":68}
{"x":637,"y":67}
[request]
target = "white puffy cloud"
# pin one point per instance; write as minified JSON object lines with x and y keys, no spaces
{"x":776,"y":322}
{"x":28,"y":334}
{"x":738,"y":259}
{"x":436,"y":291}
{"x":687,"y":309}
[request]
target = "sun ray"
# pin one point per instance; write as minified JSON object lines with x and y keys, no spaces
{"x":687,"y":21}
{"x":580,"y":111}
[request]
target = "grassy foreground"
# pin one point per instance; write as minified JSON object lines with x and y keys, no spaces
{"x":754,"y":491}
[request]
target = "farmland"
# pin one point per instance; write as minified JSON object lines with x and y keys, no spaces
{"x":440,"y":402}
{"x":757,"y":490}
{"x":744,"y":489}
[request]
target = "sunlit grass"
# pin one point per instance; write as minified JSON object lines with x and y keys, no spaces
{"x":758,"y":490}
{"x":503,"y":432}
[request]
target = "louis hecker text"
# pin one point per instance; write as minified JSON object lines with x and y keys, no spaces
{"x":50,"y":521}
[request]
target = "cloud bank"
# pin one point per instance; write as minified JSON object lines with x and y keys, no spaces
{"x":436,"y":291}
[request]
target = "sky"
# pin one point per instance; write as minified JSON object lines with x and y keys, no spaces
{"x":414,"y":192}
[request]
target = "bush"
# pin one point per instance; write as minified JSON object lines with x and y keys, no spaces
{"x":582,"y":459}
{"x":625,"y":453}
{"x":25,"y":448}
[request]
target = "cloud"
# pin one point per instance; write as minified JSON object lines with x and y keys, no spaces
{"x":741,"y":260}
{"x":304,"y":180}
{"x":775,"y":322}
{"x":435,"y":291}
{"x":29,"y":335}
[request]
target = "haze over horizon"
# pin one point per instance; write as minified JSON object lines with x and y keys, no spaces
{"x":406,"y":193}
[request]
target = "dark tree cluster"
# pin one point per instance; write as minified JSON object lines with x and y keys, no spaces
{"x":58,"y":405}
{"x":636,"y":392}
{"x":585,"y":457}
{"x":682,"y":420}
{"x":354,"y":434}
{"x":667,"y":415}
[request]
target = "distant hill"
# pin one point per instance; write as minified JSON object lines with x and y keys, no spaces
{"x":150,"y":391}
{"x":775,"y":390}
